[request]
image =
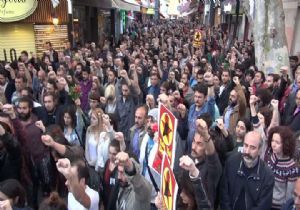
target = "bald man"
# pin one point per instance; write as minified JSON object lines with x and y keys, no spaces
{"x":294,"y":203}
{"x":247,"y":182}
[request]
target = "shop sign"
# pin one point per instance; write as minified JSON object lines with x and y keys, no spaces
{"x":150,"y":11}
{"x":14,"y":10}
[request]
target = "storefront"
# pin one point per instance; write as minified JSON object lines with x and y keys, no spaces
{"x":95,"y":20}
{"x":89,"y":20}
{"x":27,"y":25}
{"x":122,"y":14}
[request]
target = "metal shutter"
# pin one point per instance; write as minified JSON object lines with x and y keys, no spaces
{"x":17,"y":36}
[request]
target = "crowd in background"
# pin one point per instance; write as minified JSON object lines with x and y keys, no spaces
{"x":79,"y":127}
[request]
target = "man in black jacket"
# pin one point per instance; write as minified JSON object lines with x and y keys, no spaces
{"x":51,"y":110}
{"x":291,"y":113}
{"x":247,"y":182}
{"x":7,"y":86}
{"x":206,"y":159}
{"x":222,"y":97}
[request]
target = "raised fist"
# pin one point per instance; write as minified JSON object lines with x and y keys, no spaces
{"x":253,"y":99}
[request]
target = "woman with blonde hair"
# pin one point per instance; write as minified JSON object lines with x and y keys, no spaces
{"x":110,"y":96}
{"x":98,"y":137}
{"x":91,"y":145}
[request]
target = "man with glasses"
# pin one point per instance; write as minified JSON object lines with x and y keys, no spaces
{"x":204,"y":102}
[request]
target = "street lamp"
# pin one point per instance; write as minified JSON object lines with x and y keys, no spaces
{"x":55,"y":21}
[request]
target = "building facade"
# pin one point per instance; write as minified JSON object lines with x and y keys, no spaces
{"x":40,"y":22}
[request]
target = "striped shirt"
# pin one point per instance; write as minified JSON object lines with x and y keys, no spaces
{"x":285,"y":173}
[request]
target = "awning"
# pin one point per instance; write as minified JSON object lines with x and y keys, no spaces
{"x":103,"y":4}
{"x":129,"y":5}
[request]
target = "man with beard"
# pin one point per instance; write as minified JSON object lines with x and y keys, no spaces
{"x":138,"y":131}
{"x":224,"y":91}
{"x":294,"y":64}
{"x":154,"y":87}
{"x":85,"y":88}
{"x":182,"y":57}
{"x":113,"y":80}
{"x":206,"y":159}
{"x":272,"y":82}
{"x":148,"y":150}
{"x":236,"y":108}
{"x":37,"y":152}
{"x":185,"y":90}
{"x":7,"y":87}
{"x":20,"y":83}
{"x":242,"y":127}
{"x":125,"y":108}
{"x":51,"y":111}
{"x":204,"y":103}
{"x":259,"y":79}
{"x":135,"y":190}
{"x":247,"y":182}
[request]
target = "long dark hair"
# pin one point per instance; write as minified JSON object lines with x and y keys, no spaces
{"x":185,"y":185}
{"x":13,"y":189}
{"x":57,"y":134}
{"x":71,"y":110}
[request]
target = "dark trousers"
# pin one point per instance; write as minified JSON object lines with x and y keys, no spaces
{"x":42,"y":176}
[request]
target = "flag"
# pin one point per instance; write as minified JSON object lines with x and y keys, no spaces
{"x":169,"y":187}
{"x":166,"y":137}
{"x":55,"y":3}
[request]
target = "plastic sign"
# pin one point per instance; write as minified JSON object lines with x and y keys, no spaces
{"x":197,"y":39}
{"x":169,"y":187}
{"x":167,"y":130}
{"x":14,"y":10}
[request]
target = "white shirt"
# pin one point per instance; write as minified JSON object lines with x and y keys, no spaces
{"x":102,"y":150}
{"x":73,"y":204}
{"x":91,"y":153}
{"x":221,"y":90}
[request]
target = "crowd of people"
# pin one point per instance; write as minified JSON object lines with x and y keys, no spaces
{"x":79,"y":127}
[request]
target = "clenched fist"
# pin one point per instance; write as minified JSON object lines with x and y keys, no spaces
{"x":122,"y":159}
{"x":64,"y":167}
{"x":188,"y":164}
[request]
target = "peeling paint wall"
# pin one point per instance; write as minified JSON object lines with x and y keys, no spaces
{"x":292,"y":19}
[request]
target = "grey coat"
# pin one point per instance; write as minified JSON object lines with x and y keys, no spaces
{"x":137,"y":196}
